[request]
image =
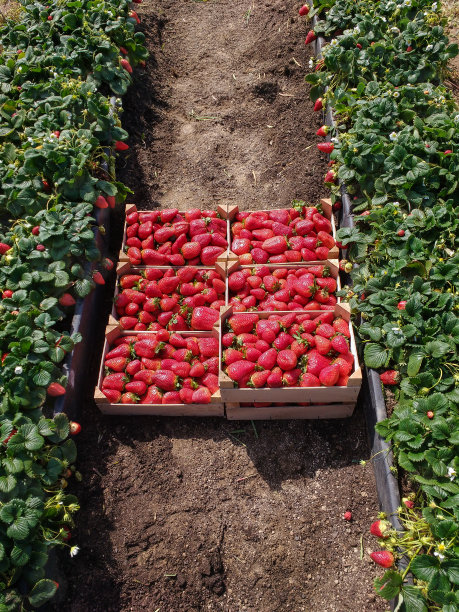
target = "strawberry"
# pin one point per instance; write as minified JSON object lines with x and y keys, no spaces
{"x":201,"y":396}
{"x":325,"y":330}
{"x":186,"y":395}
{"x":210,"y":254}
{"x":311,"y":37}
{"x":153,"y":396}
{"x":309,"y":380}
{"x":55,"y":389}
{"x":286,"y":359}
{"x":129,"y":398}
{"x":117,"y":364}
{"x":341,"y":326}
{"x":114,"y":381}
{"x":7,"y":293}
{"x":101,"y":202}
{"x":304,"y":10}
{"x":258,"y":379}
{"x":322,"y":131}
{"x":119,"y":144}
{"x":268,"y":359}
{"x":345,"y":367}
{"x":340,"y":344}
{"x":275,"y":245}
{"x":243,"y":323}
{"x":389,"y":377}
{"x":383,"y":558}
{"x":318,"y":105}
{"x":211,"y":382}
{"x":329,"y":375}
{"x":125,"y":64}
{"x":136,"y":386}
{"x":128,"y":322}
{"x":208,"y":347}
{"x":165,"y":380}
{"x":326,"y":147}
{"x":122,"y":350}
{"x":347,"y":516}
{"x":316,"y":362}
{"x":239,"y":369}
{"x":380,"y":528}
{"x":430,"y":414}
{"x":274,"y":380}
{"x":330,"y":177}
{"x":74,"y":428}
{"x":98,"y":278}
{"x":133,"y":367}
{"x":204,"y":318}
{"x":401,"y":305}
{"x":190,"y":250}
{"x":323,"y":345}
{"x":36,"y":230}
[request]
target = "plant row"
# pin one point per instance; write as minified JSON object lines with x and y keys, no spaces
{"x":395,"y":144}
{"x":58,"y":67}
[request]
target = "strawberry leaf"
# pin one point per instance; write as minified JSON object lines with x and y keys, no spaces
{"x":388,"y":586}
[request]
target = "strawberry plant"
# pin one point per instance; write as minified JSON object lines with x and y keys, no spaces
{"x":56,"y":129}
{"x":395,"y":145}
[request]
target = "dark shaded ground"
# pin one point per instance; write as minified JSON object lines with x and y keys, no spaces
{"x":188,"y":514}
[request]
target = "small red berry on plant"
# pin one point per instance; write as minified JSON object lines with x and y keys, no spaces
{"x":74,"y":427}
{"x":430,"y":414}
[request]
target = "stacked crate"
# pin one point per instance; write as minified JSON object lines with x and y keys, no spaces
{"x":236,"y":403}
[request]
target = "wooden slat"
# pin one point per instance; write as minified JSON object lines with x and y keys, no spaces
{"x":329,"y":411}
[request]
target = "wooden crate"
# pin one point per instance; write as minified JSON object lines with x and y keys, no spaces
{"x":332,"y":264}
{"x":327,"y":208}
{"x":329,"y":396}
{"x":127,"y":268}
{"x":220,"y":264}
{"x":215,"y":408}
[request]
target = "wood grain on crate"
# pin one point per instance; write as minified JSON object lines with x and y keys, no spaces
{"x":235,"y":412}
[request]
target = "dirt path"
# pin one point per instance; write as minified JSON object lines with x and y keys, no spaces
{"x":182,"y":515}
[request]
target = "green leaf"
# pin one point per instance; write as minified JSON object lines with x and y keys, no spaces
{"x":437,"y":349}
{"x":375,"y":355}
{"x":33,"y":440}
{"x":414,"y":363}
{"x":413,"y":599}
{"x":425,"y":567}
{"x":42,"y":378}
{"x":452,"y":570}
{"x":388,"y":586}
{"x":20,"y":554}
{"x":19,"y":530}
{"x":42,"y":592}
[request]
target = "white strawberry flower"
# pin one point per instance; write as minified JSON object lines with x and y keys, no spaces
{"x":18,"y":370}
{"x":311,"y":63}
{"x":393,"y":135}
{"x":434,"y":6}
{"x":452,"y":473}
{"x":74,"y":551}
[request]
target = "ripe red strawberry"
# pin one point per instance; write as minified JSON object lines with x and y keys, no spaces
{"x":165,"y":380}
{"x":136,"y":386}
{"x":304,"y":10}
{"x":210,"y":254}
{"x":326,"y":147}
{"x":66,"y":300}
{"x":345,"y":367}
{"x":114,"y":381}
{"x":190,"y":250}
{"x":323,"y":345}
{"x":340,"y":344}
{"x":389,"y":377}
{"x":401,"y":305}
{"x":268,"y":359}
{"x":201,"y":396}
{"x":98,"y":278}
{"x":322,"y":131}
{"x":347,"y":516}
{"x":101,"y":202}
{"x":133,"y":367}
{"x":383,"y":558}
{"x":243,"y":323}
{"x":286,"y":359}
{"x":204,"y":318}
{"x":330,"y":177}
{"x":239,"y":369}
{"x":119,"y":144}
{"x":7,"y":294}
{"x":275,"y":245}
{"x":318,"y":105}
{"x":325,"y":330}
{"x":274,"y":380}
{"x":125,"y":64}
{"x":128,"y":322}
{"x":36,"y":230}
{"x":380,"y":529}
{"x":55,"y":389}
{"x":122,"y":350}
{"x":74,"y":428}
{"x":129,"y":398}
{"x":309,"y":380}
{"x":329,"y":375}
{"x":258,"y":379}
{"x":117,"y":364}
{"x":342,"y":327}
{"x":236,"y":281}
{"x":311,"y":37}
{"x":208,"y":347}
{"x":316,"y":362}
{"x":430,"y":414}
{"x":113,"y":395}
{"x":232,"y":355}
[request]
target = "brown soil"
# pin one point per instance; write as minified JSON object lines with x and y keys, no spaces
{"x":188,"y":514}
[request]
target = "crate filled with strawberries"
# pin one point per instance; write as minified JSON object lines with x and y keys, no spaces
{"x":159,"y":373}
{"x":169,"y":237}
{"x":293,"y":235}
{"x":274,"y":287}
{"x":174,"y":298}
{"x":295,"y":358}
